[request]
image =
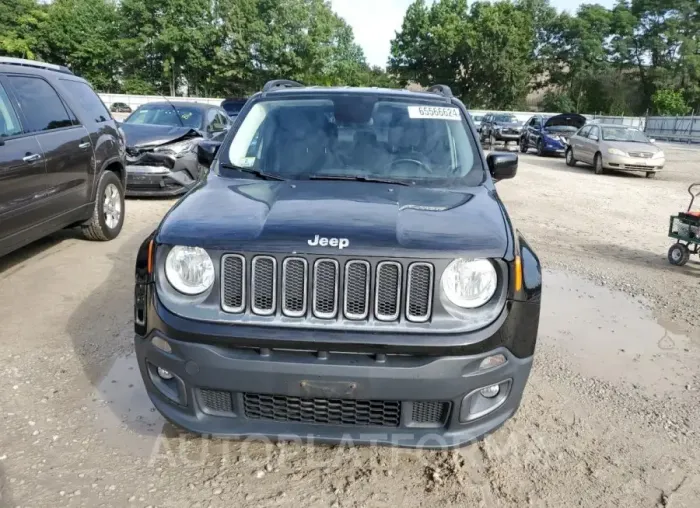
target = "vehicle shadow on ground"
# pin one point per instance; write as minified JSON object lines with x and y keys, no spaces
{"x":47,"y":246}
{"x":644,"y":258}
{"x":5,"y":496}
{"x":101,"y":330}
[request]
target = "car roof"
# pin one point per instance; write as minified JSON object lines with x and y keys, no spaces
{"x":616,"y":125}
{"x":394,"y":92}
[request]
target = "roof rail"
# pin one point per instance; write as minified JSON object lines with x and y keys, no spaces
{"x":281,"y":83}
{"x":34,"y":63}
{"x":441,"y":89}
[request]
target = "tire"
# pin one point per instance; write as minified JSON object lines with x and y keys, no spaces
{"x":651,"y":174}
{"x":678,"y":254}
{"x":598,"y":164}
{"x":523,"y":146}
{"x":108,"y":215}
{"x":540,"y":148}
{"x":570,"y":161}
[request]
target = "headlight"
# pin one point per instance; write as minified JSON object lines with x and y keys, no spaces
{"x":189,"y":270}
{"x":469,"y":283}
{"x":658,"y":155}
{"x":616,"y":151}
{"x":177,"y":149}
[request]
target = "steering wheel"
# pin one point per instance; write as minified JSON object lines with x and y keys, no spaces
{"x":422,"y":165}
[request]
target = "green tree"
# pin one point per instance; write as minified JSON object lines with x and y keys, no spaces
{"x":483,"y":53}
{"x":21,"y":23}
{"x":669,"y":102}
{"x":555,"y":101}
{"x":80,"y":34}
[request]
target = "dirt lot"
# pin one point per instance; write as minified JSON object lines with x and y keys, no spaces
{"x":611,"y":416}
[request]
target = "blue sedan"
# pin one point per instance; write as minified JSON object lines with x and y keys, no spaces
{"x":550,"y":134}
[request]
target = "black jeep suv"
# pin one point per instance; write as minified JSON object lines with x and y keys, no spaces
{"x":61,"y":156}
{"x":344,"y":272}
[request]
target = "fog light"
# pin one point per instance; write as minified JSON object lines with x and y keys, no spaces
{"x":167,"y":375}
{"x":161,"y":344}
{"x":492,"y":361}
{"x":489,"y":392}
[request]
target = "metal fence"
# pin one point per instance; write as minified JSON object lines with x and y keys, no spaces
{"x":637,"y":122}
{"x":685,"y":129}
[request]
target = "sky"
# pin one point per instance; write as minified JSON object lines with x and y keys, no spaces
{"x":375,"y":21}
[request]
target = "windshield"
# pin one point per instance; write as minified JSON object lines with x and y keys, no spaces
{"x":627,"y":134}
{"x":166,"y":115}
{"x":505,"y":119}
{"x":364,"y":136}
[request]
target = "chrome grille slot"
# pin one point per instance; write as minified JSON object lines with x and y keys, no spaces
{"x":419,"y":293}
{"x":356,"y":298}
{"x":263,"y":285}
{"x":325,"y":290}
{"x":387,"y":291}
{"x":233,"y":283}
{"x":294,"y":286}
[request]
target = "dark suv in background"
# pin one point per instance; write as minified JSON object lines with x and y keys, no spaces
{"x":61,"y":156}
{"x":500,"y":127}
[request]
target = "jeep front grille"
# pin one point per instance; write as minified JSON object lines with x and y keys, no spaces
{"x":326,"y":288}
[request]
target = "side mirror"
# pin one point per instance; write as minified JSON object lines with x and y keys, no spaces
{"x":594,"y":138}
{"x":652,"y":141}
{"x":502,"y":165}
{"x":206,"y":151}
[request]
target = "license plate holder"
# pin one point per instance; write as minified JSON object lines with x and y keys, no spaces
{"x":328,"y":389}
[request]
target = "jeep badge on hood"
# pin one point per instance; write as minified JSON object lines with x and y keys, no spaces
{"x":341,"y":243}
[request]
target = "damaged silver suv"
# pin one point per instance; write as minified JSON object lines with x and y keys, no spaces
{"x":161,"y":144}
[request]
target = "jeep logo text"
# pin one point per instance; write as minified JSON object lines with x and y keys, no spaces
{"x":341,"y":243}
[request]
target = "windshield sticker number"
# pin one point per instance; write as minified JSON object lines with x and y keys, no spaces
{"x":434,"y":112}
{"x":248,"y":162}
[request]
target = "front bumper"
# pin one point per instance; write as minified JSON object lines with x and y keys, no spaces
{"x":506,"y":136}
{"x":161,"y":176}
{"x":554,"y":146}
{"x":401,"y":400}
{"x":239,"y":381}
{"x":619,"y":162}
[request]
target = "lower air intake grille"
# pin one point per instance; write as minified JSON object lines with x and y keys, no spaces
{"x":215,"y":401}
{"x":375,"y":413}
{"x":430,"y":412}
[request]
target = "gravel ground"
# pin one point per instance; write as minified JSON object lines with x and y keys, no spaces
{"x":610,"y":417}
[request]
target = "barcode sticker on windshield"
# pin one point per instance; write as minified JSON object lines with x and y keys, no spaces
{"x":434,"y":112}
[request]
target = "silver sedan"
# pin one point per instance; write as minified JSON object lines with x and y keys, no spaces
{"x":613,"y":148}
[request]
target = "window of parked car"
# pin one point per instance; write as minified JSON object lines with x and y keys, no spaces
{"x":505,"y":118}
{"x":594,"y":134}
{"x":625,"y":134}
{"x":216,"y":121}
{"x":584,"y":131}
{"x":87,"y":98}
{"x":370,"y":136}
{"x":166,"y":114}
{"x":9,"y":122}
{"x":41,"y":105}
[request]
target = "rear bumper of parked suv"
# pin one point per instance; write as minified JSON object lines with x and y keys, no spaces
{"x":301,"y":393}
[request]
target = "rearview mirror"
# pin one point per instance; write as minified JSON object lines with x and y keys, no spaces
{"x":206,"y":152}
{"x":502,"y":165}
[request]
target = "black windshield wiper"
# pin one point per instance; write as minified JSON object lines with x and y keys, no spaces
{"x":359,"y":178}
{"x":256,"y":172}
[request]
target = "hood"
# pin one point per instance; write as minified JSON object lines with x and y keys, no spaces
{"x":375,"y":219}
{"x":142,"y":135}
{"x":509,"y":125}
{"x":566,"y":119}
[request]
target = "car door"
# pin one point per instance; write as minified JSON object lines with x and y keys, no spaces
{"x":579,"y":143}
{"x":22,"y":173}
{"x":533,"y":131}
{"x":65,"y":142}
{"x":592,"y":143}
